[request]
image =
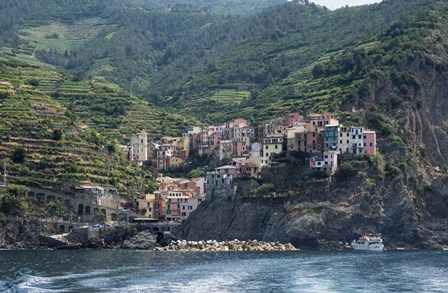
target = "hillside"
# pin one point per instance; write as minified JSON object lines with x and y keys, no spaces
{"x":396,"y":83}
{"x":237,"y":7}
{"x":59,"y":128}
{"x":383,"y":66}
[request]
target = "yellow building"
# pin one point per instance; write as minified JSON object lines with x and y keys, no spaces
{"x":144,"y":204}
{"x":174,"y":162}
{"x":272,"y":145}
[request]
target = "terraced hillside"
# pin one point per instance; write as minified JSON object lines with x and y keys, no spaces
{"x":43,"y":141}
{"x":99,"y":105}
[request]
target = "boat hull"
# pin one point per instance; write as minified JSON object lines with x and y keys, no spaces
{"x":371,"y":247}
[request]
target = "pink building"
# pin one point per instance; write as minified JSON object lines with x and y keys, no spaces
{"x":174,"y":201}
{"x":369,"y":142}
{"x":327,"y":162}
{"x":292,"y":120}
{"x":186,"y":208}
{"x":190,"y":184}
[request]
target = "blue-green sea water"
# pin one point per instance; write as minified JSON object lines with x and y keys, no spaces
{"x":147,"y":271}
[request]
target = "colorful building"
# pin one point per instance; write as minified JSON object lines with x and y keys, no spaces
{"x":327,"y":162}
{"x":369,"y":142}
{"x":272,"y":145}
{"x":331,"y":137}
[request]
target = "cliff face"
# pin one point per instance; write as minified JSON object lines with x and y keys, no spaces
{"x":323,"y":220}
{"x":408,"y":203}
{"x":23,"y":233}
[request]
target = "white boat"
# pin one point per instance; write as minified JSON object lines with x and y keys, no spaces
{"x":371,"y":242}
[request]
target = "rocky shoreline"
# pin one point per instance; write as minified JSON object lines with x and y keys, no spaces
{"x":218,"y":246}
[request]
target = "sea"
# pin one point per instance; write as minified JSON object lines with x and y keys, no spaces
{"x":148,"y":271}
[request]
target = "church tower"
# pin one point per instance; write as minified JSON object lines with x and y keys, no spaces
{"x":142,"y":146}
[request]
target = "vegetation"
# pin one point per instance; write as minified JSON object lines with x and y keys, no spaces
{"x":79,"y":76}
{"x":14,"y":202}
{"x":264,"y":189}
{"x":345,"y":171}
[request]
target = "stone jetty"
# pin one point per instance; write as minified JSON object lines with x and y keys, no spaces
{"x":234,"y":245}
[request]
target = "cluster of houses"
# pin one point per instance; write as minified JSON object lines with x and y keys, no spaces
{"x":223,"y":142}
{"x":174,"y":201}
{"x":245,"y":150}
{"x":250,"y":148}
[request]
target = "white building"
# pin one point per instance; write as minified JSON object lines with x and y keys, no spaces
{"x":328,"y":162}
{"x":218,"y":185}
{"x":357,"y":136}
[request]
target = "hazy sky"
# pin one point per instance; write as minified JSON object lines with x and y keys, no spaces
{"x":333,"y":4}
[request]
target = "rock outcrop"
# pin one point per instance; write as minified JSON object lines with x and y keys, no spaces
{"x":328,"y":219}
{"x":143,"y":240}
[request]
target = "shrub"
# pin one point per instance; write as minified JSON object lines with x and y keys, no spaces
{"x":378,"y":163}
{"x":195,"y":173}
{"x":19,"y":155}
{"x":345,"y":171}
{"x":319,"y":175}
{"x":57,"y":135}
{"x":392,"y":171}
{"x":264,"y":189}
{"x":14,"y":205}
{"x":17,"y":190}
{"x":111,"y":148}
{"x":33,"y":82}
{"x":4,"y":95}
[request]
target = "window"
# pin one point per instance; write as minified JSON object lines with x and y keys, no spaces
{"x":354,"y":137}
{"x":365,"y":136}
{"x":359,"y":136}
{"x":365,"y":144}
{"x":371,"y":144}
{"x":348,"y":141}
{"x":340,"y":141}
{"x":340,"y":135}
{"x":266,"y":147}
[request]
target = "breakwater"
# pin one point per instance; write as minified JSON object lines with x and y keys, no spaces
{"x":233,"y":245}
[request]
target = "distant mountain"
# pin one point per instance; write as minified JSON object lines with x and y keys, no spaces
{"x":237,"y":7}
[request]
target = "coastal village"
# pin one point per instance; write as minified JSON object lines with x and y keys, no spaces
{"x":236,"y":150}
{"x":242,"y":151}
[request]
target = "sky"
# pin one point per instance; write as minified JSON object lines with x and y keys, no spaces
{"x":333,"y":4}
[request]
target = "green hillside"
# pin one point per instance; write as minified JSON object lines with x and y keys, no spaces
{"x":42,"y":144}
{"x":238,"y":7}
{"x":67,"y":128}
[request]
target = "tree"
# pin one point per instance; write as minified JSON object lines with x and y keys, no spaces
{"x":19,"y":155}
{"x":33,"y":82}
{"x":14,"y":202}
{"x":57,"y":134}
{"x":111,"y":148}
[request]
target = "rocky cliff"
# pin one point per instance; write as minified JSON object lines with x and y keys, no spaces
{"x":402,"y":193}
{"x":310,"y":219}
{"x":22,"y":233}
